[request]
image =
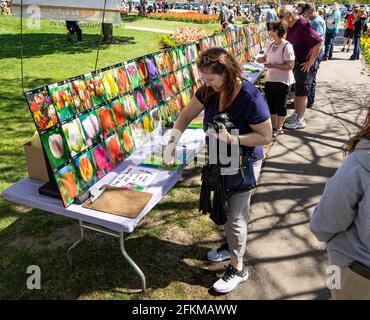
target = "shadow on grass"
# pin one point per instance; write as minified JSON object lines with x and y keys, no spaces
{"x":41,"y":44}
{"x":131,"y":18}
{"x":103,"y":268}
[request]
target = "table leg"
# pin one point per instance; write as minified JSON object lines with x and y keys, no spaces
{"x":131,"y":262}
{"x":70,"y":262}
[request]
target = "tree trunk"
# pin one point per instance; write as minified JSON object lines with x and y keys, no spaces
{"x":107,"y":32}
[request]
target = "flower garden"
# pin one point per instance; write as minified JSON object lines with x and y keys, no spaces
{"x":365,"y":47}
{"x":188,"y":16}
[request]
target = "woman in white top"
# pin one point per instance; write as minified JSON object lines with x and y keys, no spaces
{"x":279,"y":61}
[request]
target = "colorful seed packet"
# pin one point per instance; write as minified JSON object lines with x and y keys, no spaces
{"x":139,"y":135}
{"x":68,"y":182}
{"x":190,"y":53}
{"x":55,"y":146}
{"x":175,"y":59}
{"x":130,"y":108}
{"x":110,"y":85}
{"x":147,"y":122}
{"x":168,"y":61}
{"x":165,"y":116}
{"x":143,"y":71}
{"x":106,"y":120}
{"x":114,"y":150}
{"x":161,"y":65}
{"x":141,"y":101}
{"x":42,"y":108}
{"x":185,"y":97}
{"x":75,"y":137}
{"x":181,"y":56}
{"x":187,"y":76}
{"x":118,"y":112}
{"x":101,"y":160}
{"x":157,"y":90}
{"x":173,"y":83}
{"x":195,"y":72}
{"x":91,"y":127}
{"x":122,"y":79}
{"x":156,"y":118}
{"x":94,"y":85}
{"x":173,"y":109}
{"x":166,"y":88}
{"x":180,"y":79}
{"x":179,"y":103}
{"x":127,"y":141}
{"x":84,"y":165}
{"x":133,"y":74}
{"x":63,"y":101}
{"x":150,"y":97}
{"x":80,"y":94}
{"x":151,"y":67}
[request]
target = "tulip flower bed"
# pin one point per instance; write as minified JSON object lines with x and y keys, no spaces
{"x":189,"y":16}
{"x":182,"y":36}
{"x":365,"y":47}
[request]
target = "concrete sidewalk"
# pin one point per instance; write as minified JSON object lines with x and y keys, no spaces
{"x":284,"y":259}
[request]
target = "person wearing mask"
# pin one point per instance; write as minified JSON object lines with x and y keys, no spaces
{"x":349,"y":29}
{"x":342,"y":219}
{"x":307,"y":45}
{"x":332,"y":30}
{"x":318,"y":23}
{"x":279,"y":61}
{"x":360,"y":28}
{"x":271,"y":16}
{"x":225,"y":91}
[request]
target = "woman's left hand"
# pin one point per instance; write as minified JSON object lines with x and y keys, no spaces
{"x":224,"y":135}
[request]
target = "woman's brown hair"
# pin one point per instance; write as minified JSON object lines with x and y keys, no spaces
{"x":362,"y":133}
{"x":221,"y":62}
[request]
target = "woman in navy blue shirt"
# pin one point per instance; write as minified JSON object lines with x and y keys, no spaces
{"x":226,"y":92}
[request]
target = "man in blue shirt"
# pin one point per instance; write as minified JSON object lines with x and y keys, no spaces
{"x":332,"y":30}
{"x":271,"y":16}
{"x":318,"y":23}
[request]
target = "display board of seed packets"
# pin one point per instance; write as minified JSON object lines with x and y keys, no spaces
{"x":90,"y":123}
{"x":243,"y":42}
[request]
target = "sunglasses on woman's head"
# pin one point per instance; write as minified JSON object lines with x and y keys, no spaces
{"x":208,"y":59}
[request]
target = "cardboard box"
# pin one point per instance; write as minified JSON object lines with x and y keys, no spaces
{"x":35,"y":160}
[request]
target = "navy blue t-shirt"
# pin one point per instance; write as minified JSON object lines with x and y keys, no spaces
{"x":248,"y":108}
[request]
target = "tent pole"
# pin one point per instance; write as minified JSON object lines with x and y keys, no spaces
{"x":101,"y":35}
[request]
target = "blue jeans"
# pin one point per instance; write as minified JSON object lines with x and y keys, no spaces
{"x":356,"y":49}
{"x":329,"y":44}
{"x":311,"y":95}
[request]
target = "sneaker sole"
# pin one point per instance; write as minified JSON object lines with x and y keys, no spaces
{"x":218,"y":260}
{"x":227,"y":291}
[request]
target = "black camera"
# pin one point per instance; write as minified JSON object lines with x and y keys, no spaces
{"x":215,"y":125}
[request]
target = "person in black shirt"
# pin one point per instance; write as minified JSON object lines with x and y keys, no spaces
{"x":360,"y":28}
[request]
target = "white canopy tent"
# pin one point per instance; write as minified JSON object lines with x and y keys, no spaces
{"x":82,"y":10}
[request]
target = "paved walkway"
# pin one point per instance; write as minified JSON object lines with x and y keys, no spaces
{"x":148,"y":29}
{"x":285,"y":260}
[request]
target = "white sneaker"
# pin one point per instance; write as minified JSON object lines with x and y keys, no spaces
{"x":292,"y":118}
{"x":220,"y":254}
{"x":230,"y":279}
{"x":297,"y":124}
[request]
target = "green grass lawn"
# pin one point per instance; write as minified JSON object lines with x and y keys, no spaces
{"x":171,"y":242}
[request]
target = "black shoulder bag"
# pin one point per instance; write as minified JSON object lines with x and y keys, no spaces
{"x":243,"y":179}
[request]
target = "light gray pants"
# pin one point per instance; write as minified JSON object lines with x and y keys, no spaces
{"x":237,"y":220}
